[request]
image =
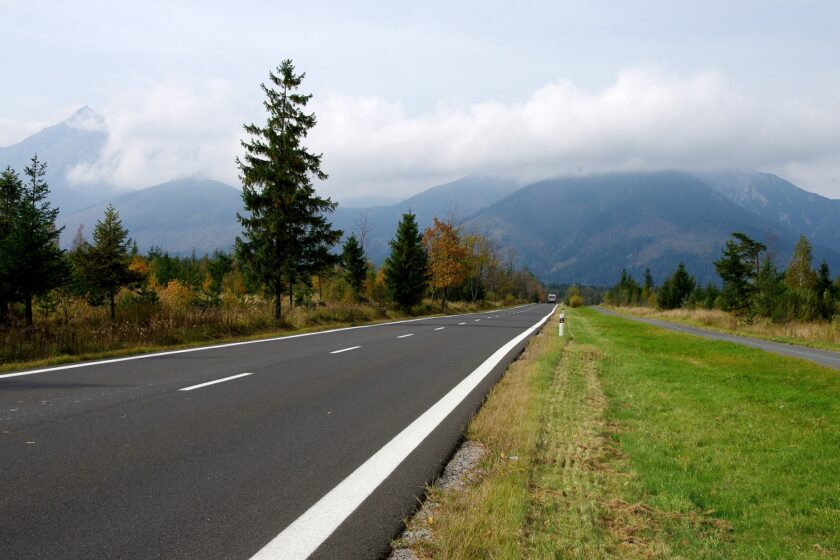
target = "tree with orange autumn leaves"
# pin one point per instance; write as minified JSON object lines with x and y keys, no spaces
{"x":447,"y":257}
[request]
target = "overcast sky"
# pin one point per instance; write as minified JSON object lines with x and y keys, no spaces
{"x":411,"y":94}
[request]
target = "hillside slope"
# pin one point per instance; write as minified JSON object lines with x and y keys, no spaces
{"x":587,"y":229}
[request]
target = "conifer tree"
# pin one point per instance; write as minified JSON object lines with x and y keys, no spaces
{"x":105,"y":264}
{"x":676,"y":289}
{"x":31,"y":261}
{"x":825,"y":291}
{"x":799,"y":273}
{"x":736,"y":267}
{"x":355,"y":265}
{"x":648,"y":281}
{"x":286,"y":235}
{"x":406,"y":269}
{"x":769,"y":292}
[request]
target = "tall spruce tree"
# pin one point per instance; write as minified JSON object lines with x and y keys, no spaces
{"x":825,"y":291}
{"x":676,"y":289}
{"x":286,"y":235}
{"x":406,"y":269}
{"x":737,"y":268}
{"x":355,"y":265}
{"x":800,"y":275}
{"x":31,"y":261}
{"x":105,"y":264}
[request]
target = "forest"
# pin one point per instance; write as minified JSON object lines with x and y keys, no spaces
{"x":752,"y":286}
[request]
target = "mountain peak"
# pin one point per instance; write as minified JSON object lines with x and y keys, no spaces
{"x":86,"y":119}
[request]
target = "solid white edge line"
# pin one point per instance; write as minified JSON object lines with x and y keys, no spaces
{"x":344,"y":350}
{"x":200,"y":385}
{"x":315,"y":525}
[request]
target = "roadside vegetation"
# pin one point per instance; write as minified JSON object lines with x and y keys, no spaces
{"x":287,"y":272}
{"x":799,"y":305}
{"x":814,"y":334}
{"x":627,"y":441}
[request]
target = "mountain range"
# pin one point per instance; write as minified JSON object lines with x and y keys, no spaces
{"x":565,"y":230}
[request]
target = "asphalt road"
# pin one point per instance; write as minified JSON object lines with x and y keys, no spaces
{"x":822,"y":357}
{"x":316,"y":445}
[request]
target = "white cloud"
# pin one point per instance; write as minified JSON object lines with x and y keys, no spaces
{"x":169,"y":131}
{"x":13,"y":131}
{"x":644,"y":120}
{"x":374,"y":147}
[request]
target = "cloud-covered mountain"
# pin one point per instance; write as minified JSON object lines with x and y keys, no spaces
{"x":75,"y":141}
{"x":179,"y":216}
{"x":587,"y":229}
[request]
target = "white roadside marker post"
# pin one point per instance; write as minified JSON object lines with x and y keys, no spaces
{"x":562,"y":317}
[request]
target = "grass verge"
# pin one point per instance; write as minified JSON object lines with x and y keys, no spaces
{"x":635,"y":442}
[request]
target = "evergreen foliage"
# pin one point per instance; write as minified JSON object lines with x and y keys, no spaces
{"x":355,"y":265}
{"x":737,"y":268}
{"x":406,"y":269}
{"x":626,"y":292}
{"x":769,"y":292}
{"x":799,"y":273}
{"x":676,"y":289}
{"x":286,"y":236}
{"x":31,"y":262}
{"x":799,"y":293}
{"x":105,"y":265}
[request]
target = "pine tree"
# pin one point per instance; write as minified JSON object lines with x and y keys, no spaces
{"x":355,"y":265}
{"x":676,"y":289}
{"x":750,"y":249}
{"x":825,"y":291}
{"x":105,"y":264}
{"x":736,"y":268}
{"x":31,"y":260}
{"x":286,"y":236}
{"x":406,"y":269}
{"x":800,"y":275}
{"x":769,"y":292}
{"x":648,"y":281}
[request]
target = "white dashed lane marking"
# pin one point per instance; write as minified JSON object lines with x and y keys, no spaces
{"x":344,"y":350}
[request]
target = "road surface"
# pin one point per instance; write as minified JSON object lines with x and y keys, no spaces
{"x":822,"y":357}
{"x":309,"y":446}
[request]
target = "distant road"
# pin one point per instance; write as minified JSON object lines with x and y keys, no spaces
{"x":313,"y":445}
{"x":822,"y":357}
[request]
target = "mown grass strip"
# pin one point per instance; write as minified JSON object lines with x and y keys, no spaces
{"x":634,"y":442}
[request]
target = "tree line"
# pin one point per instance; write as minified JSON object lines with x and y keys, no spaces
{"x":286,"y":249}
{"x":752,"y":285}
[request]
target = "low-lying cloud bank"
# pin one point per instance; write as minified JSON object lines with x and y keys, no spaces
{"x":376,"y":147}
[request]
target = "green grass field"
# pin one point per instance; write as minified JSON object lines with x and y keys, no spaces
{"x":635,"y":442}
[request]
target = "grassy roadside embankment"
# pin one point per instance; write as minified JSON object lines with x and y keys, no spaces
{"x":634,"y":442}
{"x":813,"y":334}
